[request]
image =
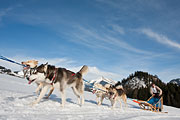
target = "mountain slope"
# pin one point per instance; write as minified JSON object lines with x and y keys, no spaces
{"x":139,"y":80}
{"x":175,"y":81}
{"x":16,"y":95}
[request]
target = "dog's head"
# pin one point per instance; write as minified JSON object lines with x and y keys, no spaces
{"x":112,"y":92}
{"x":99,"y":87}
{"x":38,"y":74}
{"x":30,"y":63}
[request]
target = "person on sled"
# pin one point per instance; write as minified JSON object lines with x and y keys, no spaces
{"x":156,"y":93}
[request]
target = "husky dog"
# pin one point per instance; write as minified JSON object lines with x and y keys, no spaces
{"x":31,"y":65}
{"x":101,"y":92}
{"x":116,"y":93}
{"x":59,"y":78}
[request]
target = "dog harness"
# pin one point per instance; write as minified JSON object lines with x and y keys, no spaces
{"x":114,"y":96}
{"x":54,"y":76}
{"x":73,"y":74}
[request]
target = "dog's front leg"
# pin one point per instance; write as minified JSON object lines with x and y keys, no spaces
{"x":50,"y":92}
{"x":43,"y":92}
{"x":113,"y":103}
{"x":102,"y":98}
{"x":39,"y":87}
{"x":120,"y":103}
{"x":97,"y":100}
{"x":82,"y":99}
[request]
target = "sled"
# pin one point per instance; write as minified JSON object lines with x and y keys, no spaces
{"x":155,"y":107}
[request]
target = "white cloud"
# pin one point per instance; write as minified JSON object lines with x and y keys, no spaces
{"x":93,"y":73}
{"x":160,"y":38}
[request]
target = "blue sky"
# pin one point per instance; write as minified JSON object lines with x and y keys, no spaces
{"x":113,"y":37}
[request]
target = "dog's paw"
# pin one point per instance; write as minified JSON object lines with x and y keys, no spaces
{"x":62,"y":105}
{"x":99,"y":103}
{"x":46,"y":97}
{"x":33,"y":103}
{"x":82,"y":102}
{"x":112,"y":108}
{"x":37,"y":92}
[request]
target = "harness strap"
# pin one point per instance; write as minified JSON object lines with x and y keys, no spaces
{"x":73,"y":74}
{"x":54,"y":76}
{"x":12,"y":61}
{"x":114,"y":97}
{"x":26,"y":68}
{"x":94,"y":91}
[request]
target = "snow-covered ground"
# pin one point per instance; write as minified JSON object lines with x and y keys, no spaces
{"x":16,"y":95}
{"x":136,"y":83}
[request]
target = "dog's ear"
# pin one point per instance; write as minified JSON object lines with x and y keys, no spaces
{"x":45,"y":66}
{"x":107,"y":89}
{"x":36,"y":62}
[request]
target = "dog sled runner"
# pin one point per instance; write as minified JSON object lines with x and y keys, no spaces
{"x":152,"y":104}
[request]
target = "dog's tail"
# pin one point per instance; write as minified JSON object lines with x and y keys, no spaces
{"x":83,"y":70}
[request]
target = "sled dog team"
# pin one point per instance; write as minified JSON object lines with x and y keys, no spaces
{"x":49,"y":77}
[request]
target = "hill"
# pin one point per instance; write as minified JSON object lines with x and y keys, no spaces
{"x":175,"y":81}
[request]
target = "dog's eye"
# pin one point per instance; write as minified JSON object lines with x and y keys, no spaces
{"x":40,"y":71}
{"x":111,"y":93}
{"x":34,"y":71}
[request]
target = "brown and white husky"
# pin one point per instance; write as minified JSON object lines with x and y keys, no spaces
{"x":116,"y":93}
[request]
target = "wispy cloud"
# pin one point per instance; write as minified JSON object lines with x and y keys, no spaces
{"x":169,"y":73}
{"x":118,"y":29}
{"x":97,"y":38}
{"x":4,"y":12}
{"x":160,"y":38}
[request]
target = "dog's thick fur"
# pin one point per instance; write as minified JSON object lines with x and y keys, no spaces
{"x":63,"y":78}
{"x":101,"y":92}
{"x":31,"y":65}
{"x":116,"y":93}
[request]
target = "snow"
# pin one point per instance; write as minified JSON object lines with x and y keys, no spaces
{"x":99,"y":79}
{"x":136,"y":83}
{"x":175,"y":81}
{"x":16,"y":96}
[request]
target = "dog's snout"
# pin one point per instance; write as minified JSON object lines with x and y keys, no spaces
{"x":111,"y":93}
{"x":27,"y":78}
